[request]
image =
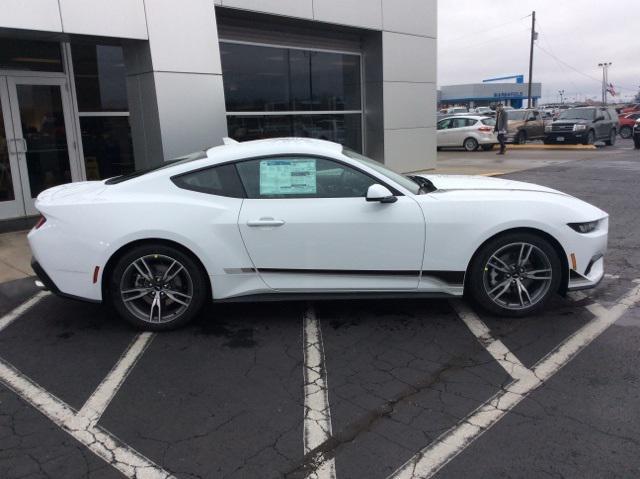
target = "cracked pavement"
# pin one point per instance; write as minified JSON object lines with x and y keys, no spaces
{"x":227,"y":397}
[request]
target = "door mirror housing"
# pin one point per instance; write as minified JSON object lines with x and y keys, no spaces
{"x":381,"y":194}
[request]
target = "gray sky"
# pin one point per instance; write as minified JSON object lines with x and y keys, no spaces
{"x":480,"y":39}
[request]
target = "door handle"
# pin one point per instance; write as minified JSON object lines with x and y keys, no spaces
{"x":265,"y":222}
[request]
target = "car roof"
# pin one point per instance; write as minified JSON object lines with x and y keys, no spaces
{"x":472,"y":117}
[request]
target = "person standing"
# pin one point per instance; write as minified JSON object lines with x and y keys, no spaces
{"x":502,"y":121}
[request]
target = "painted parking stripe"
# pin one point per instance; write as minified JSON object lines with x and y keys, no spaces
{"x":125,"y":459}
{"x":436,"y":455}
{"x":317,"y":416}
{"x":505,"y":358}
{"x":15,"y":313}
{"x":102,"y":396}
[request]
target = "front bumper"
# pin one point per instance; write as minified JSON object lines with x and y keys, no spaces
{"x":567,"y":136}
{"x":590,"y":279}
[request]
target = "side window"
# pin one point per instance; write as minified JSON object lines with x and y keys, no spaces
{"x":220,"y":180}
{"x":444,"y":124}
{"x":301,"y":177}
{"x":459,"y":123}
{"x":535,"y":115}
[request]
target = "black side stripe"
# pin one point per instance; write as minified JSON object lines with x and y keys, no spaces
{"x":452,"y":277}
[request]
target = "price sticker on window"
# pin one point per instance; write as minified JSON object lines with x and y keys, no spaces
{"x":287,"y":177}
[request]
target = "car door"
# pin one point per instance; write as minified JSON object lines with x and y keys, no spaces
{"x":535,"y":125}
{"x":458,"y":131}
{"x":307,"y":226}
{"x":444,"y":133}
{"x":604,"y":125}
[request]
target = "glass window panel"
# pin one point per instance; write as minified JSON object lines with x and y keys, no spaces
{"x":44,"y":131}
{"x":30,"y":55}
{"x":255,"y":78}
{"x":6,"y":185}
{"x":100,"y":77}
{"x":107,"y":146}
{"x":345,"y":129}
{"x":258,"y":78}
{"x":221,"y":180}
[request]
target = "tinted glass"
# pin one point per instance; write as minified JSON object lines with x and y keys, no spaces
{"x":220,"y":180}
{"x":344,"y":129}
{"x":407,"y":183}
{"x":517,"y":115}
{"x":100,"y":78}
{"x":302,"y":177}
{"x":108,"y":150}
{"x":259,"y":78}
{"x":30,"y":55}
{"x":444,"y":124}
{"x":578,"y":114}
{"x":6,"y":185}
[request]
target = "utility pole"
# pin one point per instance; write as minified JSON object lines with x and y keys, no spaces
{"x":605,"y":80}
{"x":561,"y":93}
{"x":534,"y":35}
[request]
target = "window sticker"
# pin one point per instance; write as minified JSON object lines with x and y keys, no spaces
{"x":287,"y":177}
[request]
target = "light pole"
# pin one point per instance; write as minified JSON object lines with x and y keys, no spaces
{"x":605,"y":80}
{"x":561,"y":93}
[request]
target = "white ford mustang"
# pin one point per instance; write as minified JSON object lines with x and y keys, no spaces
{"x":300,"y":218}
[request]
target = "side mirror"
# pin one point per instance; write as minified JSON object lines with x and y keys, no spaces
{"x":381,"y":194}
{"x":599,"y":118}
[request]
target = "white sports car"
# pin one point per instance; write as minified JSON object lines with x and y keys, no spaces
{"x":299,"y":218}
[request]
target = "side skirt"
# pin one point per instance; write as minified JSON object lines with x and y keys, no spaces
{"x":264,"y":297}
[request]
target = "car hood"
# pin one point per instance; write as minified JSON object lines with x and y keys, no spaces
{"x":570,"y":121}
{"x":464,"y":182}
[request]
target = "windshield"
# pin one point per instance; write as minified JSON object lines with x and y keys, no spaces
{"x":578,"y":114}
{"x":198,"y":155}
{"x":411,"y":185}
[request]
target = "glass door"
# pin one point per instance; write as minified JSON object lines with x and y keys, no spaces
{"x":44,"y":148}
{"x":11,"y":204}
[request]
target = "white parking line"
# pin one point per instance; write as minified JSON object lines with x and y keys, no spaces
{"x":317,"y":416}
{"x":436,"y":455}
{"x":128,"y":461}
{"x":102,"y":396}
{"x":495,"y":347}
{"x":14,"y":314}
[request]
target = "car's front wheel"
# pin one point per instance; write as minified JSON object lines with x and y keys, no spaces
{"x":514,"y":274}
{"x":157,"y":287}
{"x":626,"y":132}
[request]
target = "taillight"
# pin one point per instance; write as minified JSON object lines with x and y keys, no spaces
{"x":485,"y":128}
{"x":42,"y":220}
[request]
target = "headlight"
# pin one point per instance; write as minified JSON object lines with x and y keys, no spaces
{"x":547,"y":128}
{"x":579,"y":127}
{"x":587,"y":227}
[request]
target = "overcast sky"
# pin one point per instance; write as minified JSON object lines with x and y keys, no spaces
{"x":480,"y":39}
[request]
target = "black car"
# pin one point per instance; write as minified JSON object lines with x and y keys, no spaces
{"x":636,"y":134}
{"x":584,"y":125}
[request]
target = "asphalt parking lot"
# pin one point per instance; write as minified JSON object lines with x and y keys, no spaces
{"x":346,"y":389}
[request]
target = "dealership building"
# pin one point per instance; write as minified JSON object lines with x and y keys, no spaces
{"x":489,"y":93}
{"x":91,"y":89}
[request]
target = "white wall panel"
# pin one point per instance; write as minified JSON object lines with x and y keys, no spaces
{"x":408,"y":58}
{"x":417,"y":17}
{"x":357,"y":13}
{"x":31,"y":15}
{"x":409,"y":105}
{"x":183,"y":39}
{"x":410,"y":150}
{"x":291,"y":8}
{"x":113,"y":18}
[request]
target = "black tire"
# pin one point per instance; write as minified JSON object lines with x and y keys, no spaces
{"x":470,"y":144}
{"x":487,"y":147}
{"x":184,"y":294}
{"x":626,"y":132}
{"x":612,"y":138}
{"x":590,"y":139}
{"x":521,"y":138}
{"x":482,"y":278}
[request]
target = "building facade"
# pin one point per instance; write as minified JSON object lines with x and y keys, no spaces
{"x":486,"y":94}
{"x":93,"y":88}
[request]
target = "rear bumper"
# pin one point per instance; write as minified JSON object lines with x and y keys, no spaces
{"x":49,"y":285}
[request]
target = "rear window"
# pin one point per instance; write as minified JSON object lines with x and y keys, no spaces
{"x":198,"y":155}
{"x":220,"y":180}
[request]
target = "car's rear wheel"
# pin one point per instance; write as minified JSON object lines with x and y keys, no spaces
{"x":612,"y":138}
{"x":515,"y":274}
{"x":157,"y":287}
{"x":626,"y":132}
{"x":470,"y":144}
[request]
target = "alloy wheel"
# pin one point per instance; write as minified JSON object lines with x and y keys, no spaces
{"x":517,"y":276}
{"x":156,"y":288}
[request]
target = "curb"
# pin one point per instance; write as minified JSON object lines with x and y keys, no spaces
{"x":550,"y":147}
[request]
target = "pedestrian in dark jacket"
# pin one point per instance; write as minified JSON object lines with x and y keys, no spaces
{"x":502,"y":121}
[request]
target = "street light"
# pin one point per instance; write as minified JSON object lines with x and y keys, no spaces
{"x":561,"y":93}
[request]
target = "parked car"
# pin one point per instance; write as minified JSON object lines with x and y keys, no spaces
{"x":631,"y":108}
{"x":584,"y":125}
{"x":636,"y":135}
{"x":297,"y":218}
{"x":524,"y":125}
{"x":484,"y":110}
{"x":455,"y":110}
{"x":627,"y":120}
{"x":469,"y":132}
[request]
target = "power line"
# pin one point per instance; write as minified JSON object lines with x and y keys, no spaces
{"x":466,"y":35}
